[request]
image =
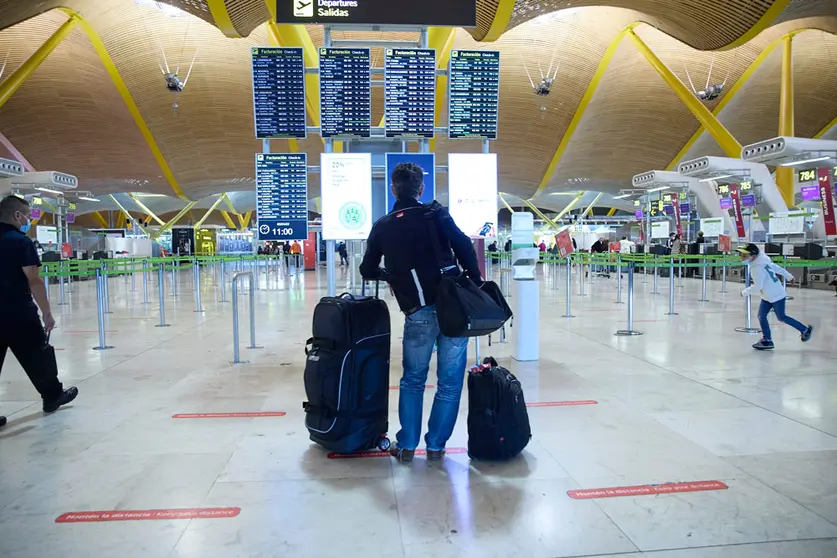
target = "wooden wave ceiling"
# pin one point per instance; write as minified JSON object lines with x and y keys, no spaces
{"x":69,"y":117}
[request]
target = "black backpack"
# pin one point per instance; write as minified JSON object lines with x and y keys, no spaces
{"x":498,"y":423}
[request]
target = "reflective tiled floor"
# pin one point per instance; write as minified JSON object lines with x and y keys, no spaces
{"x":687,"y":401}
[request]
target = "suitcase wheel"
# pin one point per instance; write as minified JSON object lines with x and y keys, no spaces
{"x":384,"y":444}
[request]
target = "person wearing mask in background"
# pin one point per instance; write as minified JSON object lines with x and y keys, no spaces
{"x":420,"y":243}
{"x":670,"y":242}
{"x":765,"y":282}
{"x":21,"y":329}
{"x":677,"y":246}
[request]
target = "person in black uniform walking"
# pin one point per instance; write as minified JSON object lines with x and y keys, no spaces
{"x":21,"y":329}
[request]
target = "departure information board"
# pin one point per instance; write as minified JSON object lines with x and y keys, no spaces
{"x":474,"y":93}
{"x":282,"y":196}
{"x":279,"y":92}
{"x":410,"y":93}
{"x":345,"y":93}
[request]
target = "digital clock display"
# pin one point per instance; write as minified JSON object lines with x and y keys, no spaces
{"x":808,"y":175}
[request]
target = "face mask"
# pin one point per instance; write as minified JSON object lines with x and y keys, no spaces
{"x":25,"y":227}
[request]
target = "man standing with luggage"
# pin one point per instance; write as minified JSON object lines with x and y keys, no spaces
{"x":419,"y":243}
{"x":21,"y":329}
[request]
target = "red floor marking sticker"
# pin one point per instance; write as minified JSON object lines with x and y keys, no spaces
{"x":428,"y":386}
{"x":364,"y":454}
{"x":647,"y":489}
{"x":227,"y":415}
{"x":146,"y":515}
{"x":563,"y":403}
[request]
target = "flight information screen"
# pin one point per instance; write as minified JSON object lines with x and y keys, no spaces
{"x":410,"y":93}
{"x":474,"y":94}
{"x":345,"y":93}
{"x":282,"y":196}
{"x":279,"y":92}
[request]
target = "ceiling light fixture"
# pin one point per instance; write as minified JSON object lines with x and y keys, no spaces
{"x":660,"y":189}
{"x":622,"y":196}
{"x":42,"y":189}
{"x":711,"y":178}
{"x":806,"y":161}
{"x":88,"y":198}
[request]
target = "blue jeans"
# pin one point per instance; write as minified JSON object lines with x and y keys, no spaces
{"x":421,"y":332}
{"x":779,"y":308}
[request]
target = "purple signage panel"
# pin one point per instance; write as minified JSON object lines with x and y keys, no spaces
{"x":726,"y":203}
{"x":36,"y":213}
{"x":810,"y":193}
{"x":685,"y":209}
{"x":71,"y":218}
{"x":748,"y":200}
{"x":639,"y":214}
{"x":669,"y":210}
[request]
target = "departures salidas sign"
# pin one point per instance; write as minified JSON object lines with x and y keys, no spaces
{"x":443,"y":13}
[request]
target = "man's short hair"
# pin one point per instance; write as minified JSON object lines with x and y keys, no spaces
{"x":10,"y":205}
{"x":407,"y":179}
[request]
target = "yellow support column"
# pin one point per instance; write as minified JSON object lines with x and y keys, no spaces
{"x":209,"y":212}
{"x":228,"y":220}
{"x":218,"y":10}
{"x":506,"y":204}
{"x":145,"y":208}
{"x":19,"y":76}
{"x":244,"y":220}
{"x":570,"y":205}
{"x":612,"y":212}
{"x":501,"y":20}
{"x":540,"y":214}
{"x":727,"y":142}
{"x":785,"y":175}
{"x":177,"y":217}
{"x":101,"y":220}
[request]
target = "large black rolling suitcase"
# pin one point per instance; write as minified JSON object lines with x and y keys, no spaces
{"x":347,"y":374}
{"x":498,"y":423}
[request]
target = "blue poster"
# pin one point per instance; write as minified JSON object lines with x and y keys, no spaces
{"x":427,"y":161}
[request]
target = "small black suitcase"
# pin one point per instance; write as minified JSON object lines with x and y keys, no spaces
{"x":347,"y":374}
{"x":498,"y":423}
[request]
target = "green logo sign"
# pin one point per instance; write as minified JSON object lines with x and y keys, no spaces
{"x":352,"y":215}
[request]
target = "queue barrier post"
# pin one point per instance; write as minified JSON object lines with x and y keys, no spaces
{"x":703,"y":283}
{"x":581,"y":275}
{"x":671,"y":311}
{"x":724,"y":278}
{"x":100,"y":311}
{"x":223,"y":281}
{"x":145,"y":282}
{"x":236,"y":337}
{"x":656,"y":291}
{"x":785,"y":279}
{"x":61,"y":288}
{"x":748,"y":308}
{"x":105,"y":281}
{"x":46,"y":280}
{"x":197,"y":280}
{"x":619,"y":279}
{"x":162,"y":285}
{"x":568,"y":313}
{"x":133,"y":276}
{"x":630,"y":332}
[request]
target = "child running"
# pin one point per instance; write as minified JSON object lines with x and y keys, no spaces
{"x":765,"y":282}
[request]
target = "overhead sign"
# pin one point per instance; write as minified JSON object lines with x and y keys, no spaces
{"x":638,"y":214}
{"x":748,"y":200}
{"x":473,"y":94}
{"x":279,"y":92}
{"x":345,"y":93}
{"x":439,"y":13}
{"x":660,"y":229}
{"x":282,"y":196}
{"x":472,"y":192}
{"x":565,"y":243}
{"x":786,"y":222}
{"x":427,"y":161}
{"x":713,"y":227}
{"x":726,"y":203}
{"x":735,"y":195}
{"x":807,"y":175}
{"x":346,"y":195}
{"x":410,"y":93}
{"x":810,"y":193}
{"x":827,"y":201}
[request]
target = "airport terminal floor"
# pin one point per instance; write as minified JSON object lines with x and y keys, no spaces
{"x":743,"y":442}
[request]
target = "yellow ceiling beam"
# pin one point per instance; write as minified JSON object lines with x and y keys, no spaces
{"x":540,"y":214}
{"x":244,"y":220}
{"x":228,"y":220}
{"x":441,"y":39}
{"x":99,"y":219}
{"x":177,"y":217}
{"x":505,"y":203}
{"x":122,"y":88}
{"x":124,"y":214}
{"x":589,"y":209}
{"x":145,"y":208}
{"x":570,"y":205}
{"x":725,"y":140}
{"x":765,"y":21}
{"x":218,"y":10}
{"x":209,"y":212}
{"x":612,"y":212}
{"x":785,"y":176}
{"x":604,"y":63}
{"x":825,"y":130}
{"x":501,"y":21}
{"x":19,"y":76}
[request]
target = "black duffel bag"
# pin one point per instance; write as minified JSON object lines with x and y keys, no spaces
{"x":465,"y":310}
